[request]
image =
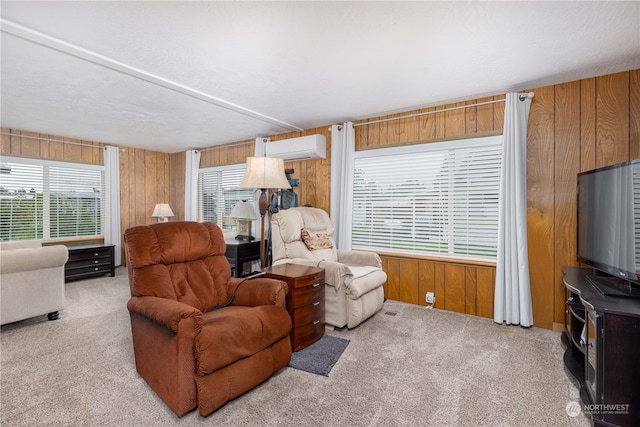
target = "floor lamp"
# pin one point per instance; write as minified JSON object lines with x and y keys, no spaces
{"x":264,"y":173}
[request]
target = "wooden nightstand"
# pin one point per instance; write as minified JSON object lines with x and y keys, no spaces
{"x":305,"y":301}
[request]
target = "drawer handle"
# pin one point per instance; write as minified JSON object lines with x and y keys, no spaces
{"x":315,"y":285}
{"x":95,"y":269}
{"x":96,"y":254}
{"x":315,"y":322}
{"x":95,"y":262}
{"x":317,"y":303}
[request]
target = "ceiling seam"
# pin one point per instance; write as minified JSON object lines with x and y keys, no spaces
{"x":79,"y":52}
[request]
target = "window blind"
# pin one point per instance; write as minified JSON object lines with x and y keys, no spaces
{"x":47,"y":200}
{"x":436,"y":199}
{"x":218,"y":193}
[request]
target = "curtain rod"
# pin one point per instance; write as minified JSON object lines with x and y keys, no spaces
{"x":57,"y":140}
{"x":521,"y":97}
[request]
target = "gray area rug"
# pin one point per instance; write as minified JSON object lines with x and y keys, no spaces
{"x":320,"y":356}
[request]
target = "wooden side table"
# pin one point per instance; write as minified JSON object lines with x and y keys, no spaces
{"x":305,"y":301}
{"x":239,"y":252}
{"x":89,"y":261}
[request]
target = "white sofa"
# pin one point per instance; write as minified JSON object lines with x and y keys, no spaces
{"x":354,"y":279}
{"x":31,"y":280}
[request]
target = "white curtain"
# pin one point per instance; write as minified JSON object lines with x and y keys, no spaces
{"x":112,"y":234}
{"x":191,"y":186}
{"x":512,"y":300}
{"x":342,"y":169}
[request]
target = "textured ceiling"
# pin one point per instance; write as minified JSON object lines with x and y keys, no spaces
{"x":169,"y":76}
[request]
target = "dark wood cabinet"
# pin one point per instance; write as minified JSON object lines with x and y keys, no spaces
{"x":305,"y":301}
{"x":602,"y":340}
{"x":239,"y":252}
{"x":89,"y":261}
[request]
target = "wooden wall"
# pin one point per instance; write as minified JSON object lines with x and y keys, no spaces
{"x":573,"y":127}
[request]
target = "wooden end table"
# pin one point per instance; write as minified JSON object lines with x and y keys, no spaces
{"x":305,"y":301}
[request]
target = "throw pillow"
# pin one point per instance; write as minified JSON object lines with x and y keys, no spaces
{"x":315,"y":241}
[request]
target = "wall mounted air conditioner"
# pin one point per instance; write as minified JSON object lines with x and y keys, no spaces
{"x":302,"y":148}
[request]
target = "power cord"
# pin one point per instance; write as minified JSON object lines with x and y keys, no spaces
{"x":233,"y":295}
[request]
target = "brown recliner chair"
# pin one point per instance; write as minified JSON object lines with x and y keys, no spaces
{"x":191,"y":351}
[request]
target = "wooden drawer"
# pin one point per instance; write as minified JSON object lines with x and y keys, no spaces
{"x":299,"y":297}
{"x":304,"y":336}
{"x":89,"y":261}
{"x":308,"y":313}
{"x":305,"y":301}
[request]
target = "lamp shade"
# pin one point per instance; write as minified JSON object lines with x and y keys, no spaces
{"x":162,"y":210}
{"x":265,"y":172}
{"x":244,"y":210}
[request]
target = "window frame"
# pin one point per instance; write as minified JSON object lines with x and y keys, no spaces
{"x":485,"y":207}
{"x":226,"y":225}
{"x":47,"y":191}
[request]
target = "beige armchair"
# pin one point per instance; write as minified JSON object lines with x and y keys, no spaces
{"x":354,"y":279}
{"x":31,"y":280}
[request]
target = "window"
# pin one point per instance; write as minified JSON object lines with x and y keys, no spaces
{"x":432,"y":199}
{"x":218,"y":193}
{"x":47,"y":200}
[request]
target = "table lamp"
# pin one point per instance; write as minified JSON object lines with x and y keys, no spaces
{"x":264,"y":173}
{"x":244,"y":212}
{"x":162,"y":211}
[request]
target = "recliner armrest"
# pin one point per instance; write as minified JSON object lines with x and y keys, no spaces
{"x":164,"y":311}
{"x":363,"y":258}
{"x":259,"y":291}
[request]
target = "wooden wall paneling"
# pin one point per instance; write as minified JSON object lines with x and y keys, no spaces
{"x":427,"y":125}
{"x":393,"y":279}
{"x":634,"y":114}
{"x":439,"y":291}
{"x":393,"y":130}
{"x":485,"y":285}
{"x":14,"y":143}
{"x":454,"y":290}
{"x":125,"y":196}
{"x":56,"y":149}
{"x":587,"y":124}
{"x":141,"y":215}
{"x":441,"y":131}
{"x":409,"y":281}
{"x":612,"y":119}
{"x":410,"y":130}
{"x":151,"y":193}
{"x":498,"y":113}
{"x":484,"y":115}
{"x":72,"y":151}
{"x":470,"y":296}
{"x":540,"y":204}
{"x":470,"y":117}
{"x":384,"y":261}
{"x":567,"y":165}
{"x":454,"y":120}
{"x":383,"y":132}
{"x":5,"y":141}
{"x":177,"y":168}
{"x":426,"y":280}
{"x":30,"y":145}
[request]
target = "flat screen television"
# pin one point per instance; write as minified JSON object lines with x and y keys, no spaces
{"x":609,"y":228}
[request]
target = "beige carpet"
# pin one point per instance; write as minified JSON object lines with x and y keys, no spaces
{"x":406,"y":366}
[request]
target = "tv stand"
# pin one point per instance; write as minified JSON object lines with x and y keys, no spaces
{"x":614,"y":287}
{"x":601,"y":337}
